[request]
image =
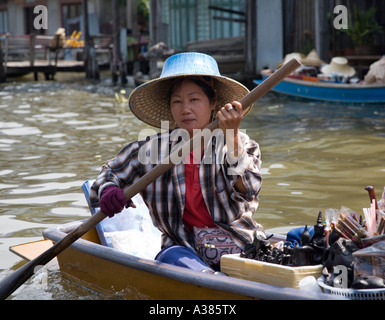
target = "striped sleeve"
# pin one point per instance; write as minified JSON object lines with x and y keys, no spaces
{"x":117,"y":171}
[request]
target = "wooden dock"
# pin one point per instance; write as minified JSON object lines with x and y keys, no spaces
{"x":49,"y":54}
{"x":47,"y":67}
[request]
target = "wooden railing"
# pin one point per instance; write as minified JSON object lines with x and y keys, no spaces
{"x":38,"y":47}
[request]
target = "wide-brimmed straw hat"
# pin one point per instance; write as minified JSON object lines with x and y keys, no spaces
{"x":339,"y":66}
{"x":150,"y":101}
{"x":297,"y":55}
{"x":312,"y":59}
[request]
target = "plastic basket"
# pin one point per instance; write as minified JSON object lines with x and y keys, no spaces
{"x":352,"y":294}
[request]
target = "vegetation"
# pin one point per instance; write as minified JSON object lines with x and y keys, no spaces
{"x":362,"y":26}
{"x":143,"y":7}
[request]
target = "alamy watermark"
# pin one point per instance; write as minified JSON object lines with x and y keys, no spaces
{"x":341,"y":277}
{"x":157,"y":149}
{"x":40,"y":279}
{"x":41,"y":20}
{"x":340,"y":21}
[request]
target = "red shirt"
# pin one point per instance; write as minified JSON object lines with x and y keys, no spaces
{"x":195,"y":210}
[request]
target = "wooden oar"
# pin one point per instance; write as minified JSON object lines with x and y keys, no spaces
{"x":9,"y":284}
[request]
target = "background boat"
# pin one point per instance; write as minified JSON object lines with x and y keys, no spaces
{"x":327,"y":91}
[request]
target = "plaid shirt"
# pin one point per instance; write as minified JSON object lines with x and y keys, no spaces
{"x":229,"y":209}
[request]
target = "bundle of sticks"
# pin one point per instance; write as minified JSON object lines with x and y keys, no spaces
{"x":348,"y":225}
{"x":352,"y":227}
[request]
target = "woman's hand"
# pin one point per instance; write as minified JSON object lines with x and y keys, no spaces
{"x":230,"y":117}
{"x":112,"y":201}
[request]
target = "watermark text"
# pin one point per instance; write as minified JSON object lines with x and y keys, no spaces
{"x":41,"y":20}
{"x":341,"y":20}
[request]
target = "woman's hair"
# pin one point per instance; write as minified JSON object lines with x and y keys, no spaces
{"x":206,"y":83}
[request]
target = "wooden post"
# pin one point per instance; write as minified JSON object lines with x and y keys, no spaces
{"x":156,"y":20}
{"x":32,"y":55}
{"x":321,"y":28}
{"x":118,"y":67}
{"x":86,"y":35}
{"x":123,"y":55}
{"x":116,"y":41}
{"x":288,"y":25}
{"x":2,"y":72}
{"x":32,"y":50}
{"x":90,"y":62}
{"x":250,"y":39}
{"x":132,"y":17}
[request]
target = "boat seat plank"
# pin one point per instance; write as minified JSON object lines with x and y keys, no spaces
{"x":31,"y":250}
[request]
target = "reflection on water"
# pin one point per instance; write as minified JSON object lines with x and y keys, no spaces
{"x":54,"y":136}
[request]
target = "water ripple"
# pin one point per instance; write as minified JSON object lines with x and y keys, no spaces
{"x":75,"y":198}
{"x":20,"y":131}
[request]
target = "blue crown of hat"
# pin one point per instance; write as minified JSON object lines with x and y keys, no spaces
{"x":189,"y":63}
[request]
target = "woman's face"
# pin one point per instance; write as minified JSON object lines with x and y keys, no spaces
{"x":190,"y":106}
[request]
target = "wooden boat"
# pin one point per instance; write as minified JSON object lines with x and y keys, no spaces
{"x":312,"y":88}
{"x":95,"y":262}
{"x":110,"y":271}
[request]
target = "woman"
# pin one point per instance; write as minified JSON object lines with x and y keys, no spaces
{"x":207,"y":189}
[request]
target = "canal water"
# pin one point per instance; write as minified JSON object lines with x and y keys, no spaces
{"x":54,"y":135}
